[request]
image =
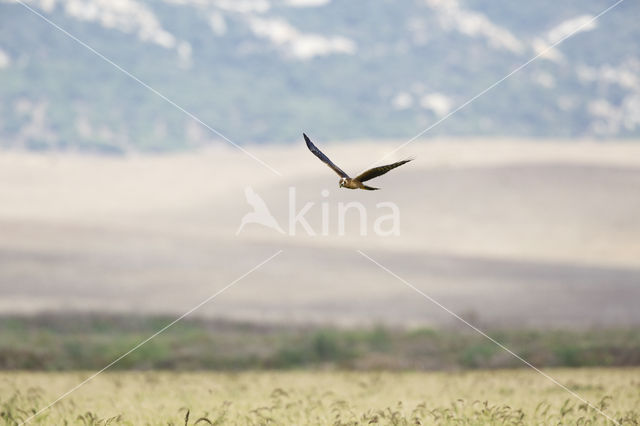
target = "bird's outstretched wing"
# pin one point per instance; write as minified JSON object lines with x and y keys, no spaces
{"x":323,"y":157}
{"x":378,"y":171}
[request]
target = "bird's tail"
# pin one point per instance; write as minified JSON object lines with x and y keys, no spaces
{"x":369,"y":188}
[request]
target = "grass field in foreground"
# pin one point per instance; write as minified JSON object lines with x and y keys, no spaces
{"x":323,"y":397}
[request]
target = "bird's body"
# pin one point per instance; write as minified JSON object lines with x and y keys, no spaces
{"x":354,"y":184}
{"x":345,"y":180}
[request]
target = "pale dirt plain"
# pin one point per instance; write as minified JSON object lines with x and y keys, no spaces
{"x":504,"y":232}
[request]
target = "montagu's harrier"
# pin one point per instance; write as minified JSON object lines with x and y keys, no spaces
{"x":356,"y":182}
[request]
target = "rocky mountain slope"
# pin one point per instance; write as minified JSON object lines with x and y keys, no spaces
{"x":261,"y":70}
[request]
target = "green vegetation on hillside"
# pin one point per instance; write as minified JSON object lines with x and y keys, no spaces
{"x":68,"y":342}
{"x":56,"y":94}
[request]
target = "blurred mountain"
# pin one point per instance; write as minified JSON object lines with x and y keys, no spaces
{"x":264,"y":70}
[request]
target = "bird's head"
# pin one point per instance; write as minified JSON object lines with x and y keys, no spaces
{"x":343,"y":182}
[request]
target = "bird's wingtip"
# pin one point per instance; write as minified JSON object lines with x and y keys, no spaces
{"x":307,"y":140}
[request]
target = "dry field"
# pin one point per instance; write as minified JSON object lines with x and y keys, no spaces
{"x":516,"y":232}
{"x":324,"y":397}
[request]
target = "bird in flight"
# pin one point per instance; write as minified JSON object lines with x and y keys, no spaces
{"x":356,"y":182}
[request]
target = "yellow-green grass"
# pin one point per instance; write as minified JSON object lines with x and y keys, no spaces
{"x":324,"y":397}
